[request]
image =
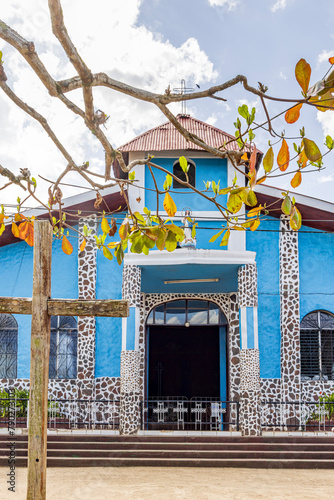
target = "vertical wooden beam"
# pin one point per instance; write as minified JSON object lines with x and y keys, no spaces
{"x":39,"y":362}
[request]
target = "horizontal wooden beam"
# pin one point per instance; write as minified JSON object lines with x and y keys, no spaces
{"x":68,"y":307}
{"x":15,"y":305}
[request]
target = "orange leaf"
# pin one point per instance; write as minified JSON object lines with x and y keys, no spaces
{"x":296,"y":180}
{"x":303,"y":74}
{"x":292,"y":115}
{"x":30,"y":236}
{"x":252,"y":161}
{"x":302,"y":159}
{"x":331,"y":60}
{"x":261,"y":180}
{"x":83,"y":245}
{"x":283,"y":156}
{"x":18,"y":217}
{"x":23,"y":230}
{"x":66,"y":246}
{"x":169,"y":205}
{"x":244,"y":157}
{"x":15,"y":230}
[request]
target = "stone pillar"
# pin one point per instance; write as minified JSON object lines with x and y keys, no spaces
{"x":250,"y":417}
{"x":290,"y":319}
{"x":130,"y":356}
{"x":86,"y":324}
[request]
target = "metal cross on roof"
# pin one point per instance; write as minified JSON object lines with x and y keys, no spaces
{"x":183,"y":90}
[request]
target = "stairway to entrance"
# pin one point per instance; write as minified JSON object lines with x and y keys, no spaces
{"x":313,"y":452}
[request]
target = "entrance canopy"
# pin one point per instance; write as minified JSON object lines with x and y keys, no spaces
{"x":188,"y":270}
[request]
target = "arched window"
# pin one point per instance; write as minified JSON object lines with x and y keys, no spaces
{"x":63,"y":347}
{"x":317,"y":346}
{"x":177,"y":170}
{"x":8,"y":346}
{"x":187,"y":312}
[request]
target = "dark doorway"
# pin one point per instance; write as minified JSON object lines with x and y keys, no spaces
{"x":183,"y":361}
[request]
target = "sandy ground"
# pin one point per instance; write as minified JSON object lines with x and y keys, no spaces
{"x":137,"y":483}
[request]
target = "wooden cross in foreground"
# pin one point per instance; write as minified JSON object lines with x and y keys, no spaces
{"x":41,"y":307}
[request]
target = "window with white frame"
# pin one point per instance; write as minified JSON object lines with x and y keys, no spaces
{"x":317,"y":346}
{"x":8,"y":346}
{"x":63,"y":347}
{"x":177,"y":170}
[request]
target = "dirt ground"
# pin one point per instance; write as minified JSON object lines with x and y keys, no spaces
{"x":137,"y":483}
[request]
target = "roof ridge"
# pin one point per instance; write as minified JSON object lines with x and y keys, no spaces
{"x":170,"y":125}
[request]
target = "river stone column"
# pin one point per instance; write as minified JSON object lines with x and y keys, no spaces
{"x":250,"y":416}
{"x":86,"y":324}
{"x":290,"y":316}
{"x":130,"y":356}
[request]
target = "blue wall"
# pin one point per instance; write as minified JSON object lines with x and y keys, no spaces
{"x":16,"y":281}
{"x":316,"y":271}
{"x":108,"y":330}
{"x":266,"y":246}
{"x":206,"y":170}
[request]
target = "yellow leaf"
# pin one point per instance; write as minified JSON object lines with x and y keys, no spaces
{"x":292,"y":115}
{"x":254,"y":211}
{"x":124,"y":230}
{"x":296,"y":180}
{"x":107,"y":253}
{"x":302,"y":159}
{"x":311,"y":150}
{"x":283,"y":157}
{"x":268,"y":161}
{"x":169,"y":205}
{"x":245,"y":157}
{"x":18,"y":217}
{"x":295,"y":219}
{"x":2,"y":228}
{"x":15,"y":230}
{"x":303,"y":74}
{"x":83,"y":245}
{"x":254,"y":225}
{"x":105,"y":225}
{"x":66,"y":246}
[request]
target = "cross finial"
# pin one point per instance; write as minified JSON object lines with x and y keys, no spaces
{"x":183,"y":90}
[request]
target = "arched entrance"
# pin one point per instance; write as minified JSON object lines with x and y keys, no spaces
{"x":186,"y":351}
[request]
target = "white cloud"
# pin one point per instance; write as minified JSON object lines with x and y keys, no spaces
{"x":230,"y":4}
{"x":325,"y":55}
{"x":110,"y":40}
{"x":280,"y":4}
{"x":282,"y":76}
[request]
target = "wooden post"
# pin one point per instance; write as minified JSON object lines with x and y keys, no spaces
{"x":39,"y":364}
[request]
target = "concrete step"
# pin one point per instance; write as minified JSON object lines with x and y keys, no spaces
{"x":182,"y":462}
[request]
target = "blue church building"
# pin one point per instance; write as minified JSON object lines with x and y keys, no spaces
{"x":216,"y":336}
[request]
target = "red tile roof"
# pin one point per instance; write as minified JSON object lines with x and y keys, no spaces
{"x":165,"y":137}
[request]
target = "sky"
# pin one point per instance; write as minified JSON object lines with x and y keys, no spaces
{"x":152,"y":44}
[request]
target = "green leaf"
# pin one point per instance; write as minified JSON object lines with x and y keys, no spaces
{"x":147,"y":211}
{"x":286,"y":205}
{"x":268,"y":160}
{"x":184,"y":164}
{"x":132,"y":175}
{"x":311,"y":150}
{"x":225,"y":190}
{"x":33,"y":180}
{"x":137,"y":245}
{"x":171,"y":242}
{"x":168,"y":182}
{"x":107,"y":253}
{"x":119,"y":254}
{"x":160,"y":243}
{"x":329,"y":142}
{"x":251,"y":135}
{"x":243,"y":111}
{"x":251,"y":199}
